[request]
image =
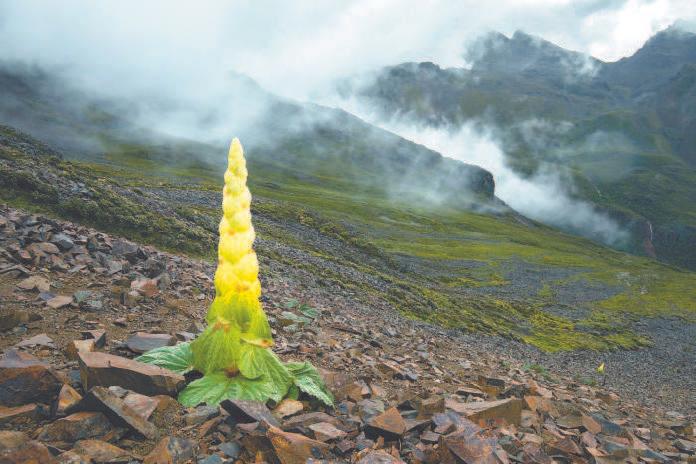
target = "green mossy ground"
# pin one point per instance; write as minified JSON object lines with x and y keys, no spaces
{"x":463,"y":259}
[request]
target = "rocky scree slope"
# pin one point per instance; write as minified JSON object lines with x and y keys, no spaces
{"x":78,"y":305}
{"x":491,"y":274}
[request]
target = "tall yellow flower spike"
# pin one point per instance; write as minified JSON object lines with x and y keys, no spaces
{"x":233,"y":352}
{"x":236,"y":310}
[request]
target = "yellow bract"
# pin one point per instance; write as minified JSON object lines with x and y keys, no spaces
{"x":236,"y":309}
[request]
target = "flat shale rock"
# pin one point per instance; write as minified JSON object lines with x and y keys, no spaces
{"x":141,"y":342}
{"x":201,"y":414}
{"x":105,"y":400}
{"x":509,"y":410}
{"x":465,"y":447}
{"x":11,"y":439}
{"x":288,"y":407}
{"x":172,"y":450}
{"x":68,"y":399}
{"x":99,"y":337}
{"x":75,"y":427}
{"x":36,"y":283}
{"x":37,"y":340}
{"x":19,"y":414}
{"x":389,"y":425}
{"x":63,"y":241}
{"x":430,"y":406}
{"x":101,"y":369}
{"x":379,"y":457}
{"x":305,"y":420}
{"x":68,"y":457}
{"x":79,"y":346}
{"x":293,"y":448}
{"x":59,"y":301}
{"x":324,"y":431}
{"x":143,"y":405}
{"x":249,"y":411}
{"x":101,"y":452}
{"x":24,"y":379}
{"x":18,"y":448}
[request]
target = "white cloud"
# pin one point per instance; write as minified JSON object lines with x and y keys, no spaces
{"x":543,"y":197}
{"x":618,"y":33}
{"x":296,"y":48}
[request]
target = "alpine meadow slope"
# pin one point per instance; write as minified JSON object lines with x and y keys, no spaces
{"x":617,"y":135}
{"x":385,"y":220}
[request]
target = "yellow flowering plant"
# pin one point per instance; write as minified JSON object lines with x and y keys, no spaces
{"x":234,"y":352}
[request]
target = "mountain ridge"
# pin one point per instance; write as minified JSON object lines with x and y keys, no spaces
{"x":646,"y":135}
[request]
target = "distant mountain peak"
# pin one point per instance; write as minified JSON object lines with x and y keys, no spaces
{"x":527,"y":53}
{"x":656,"y":62}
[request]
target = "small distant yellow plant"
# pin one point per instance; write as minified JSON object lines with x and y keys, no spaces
{"x":233,"y":353}
{"x":600,"y":369}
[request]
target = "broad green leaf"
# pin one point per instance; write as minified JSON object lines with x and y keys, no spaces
{"x":308,"y":311}
{"x":294,"y":317}
{"x":177,"y":358}
{"x":214,"y":388}
{"x":291,"y":303}
{"x":256,"y":362}
{"x":293,"y":392}
{"x":308,"y":380}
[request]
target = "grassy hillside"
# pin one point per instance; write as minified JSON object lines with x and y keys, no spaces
{"x":498,"y":274}
{"x":625,"y":134}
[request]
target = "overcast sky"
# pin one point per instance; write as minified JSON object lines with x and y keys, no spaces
{"x":295,"y":47}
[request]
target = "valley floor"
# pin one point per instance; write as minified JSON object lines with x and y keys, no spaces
{"x":121,"y":288}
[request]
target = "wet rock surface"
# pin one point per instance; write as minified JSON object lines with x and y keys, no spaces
{"x":71,"y":392}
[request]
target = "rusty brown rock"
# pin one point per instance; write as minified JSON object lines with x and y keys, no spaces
{"x":336,"y":382}
{"x":101,"y":452}
{"x":75,"y":427}
{"x":24,"y":379}
{"x":103,"y":399}
{"x":12,"y":440}
{"x":592,"y":425}
{"x":59,"y":301}
{"x":389,"y":425}
{"x":565,"y":446}
{"x":492,"y":386}
{"x":467,"y":447}
{"x":146,"y":287}
{"x":487,"y":412}
{"x":99,"y":337}
{"x":142,"y":405}
{"x":18,"y":448}
{"x":68,"y":457}
{"x":101,"y":369}
{"x":293,"y":448}
{"x":79,"y":346}
{"x":140,"y":342}
{"x":288,"y":407}
{"x":19,"y":414}
{"x":356,"y":391}
{"x":37,"y":340}
{"x":68,"y":399}
{"x":37,"y":283}
{"x":172,"y":450}
{"x":249,"y":411}
{"x":305,"y":420}
{"x":430,"y":406}
{"x":324,"y":431}
{"x":379,"y":457}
